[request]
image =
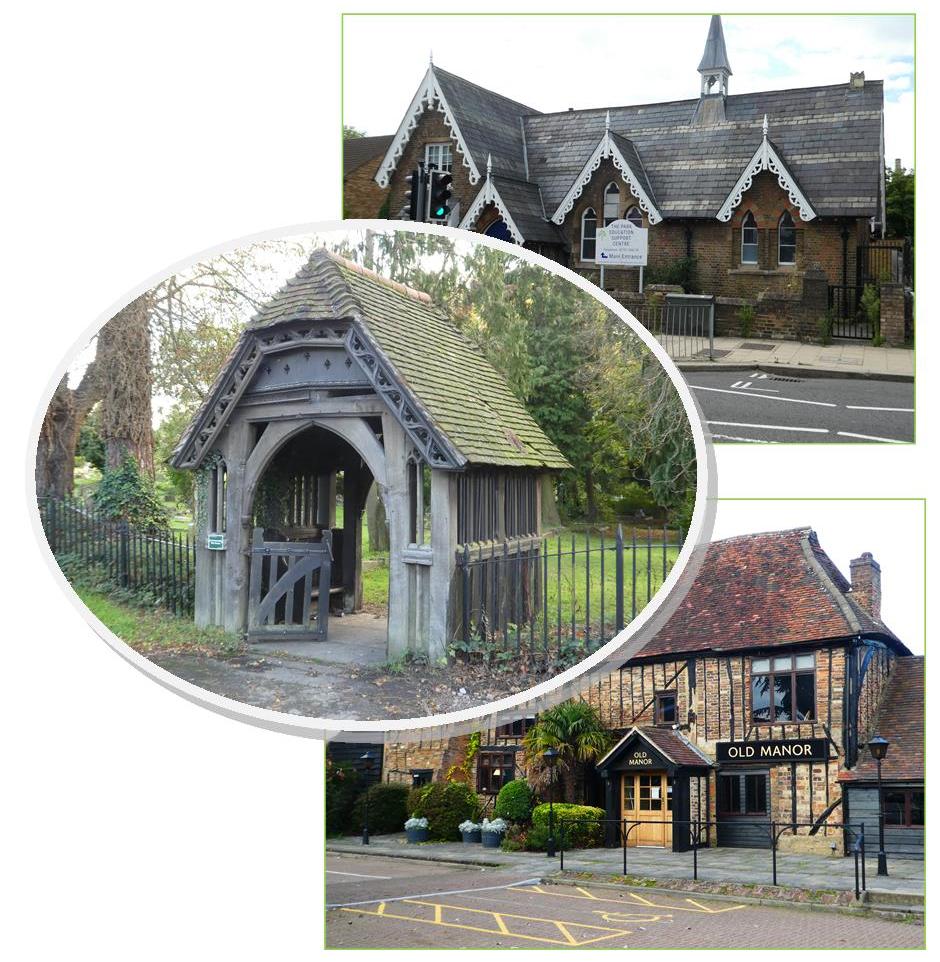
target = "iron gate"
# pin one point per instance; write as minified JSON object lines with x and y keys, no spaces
{"x":285,"y":599}
{"x":684,"y":325}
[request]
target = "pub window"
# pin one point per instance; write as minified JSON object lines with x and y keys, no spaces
{"x":786,"y":240}
{"x":783,"y":689}
{"x":611,"y":203}
{"x":515,"y":729}
{"x":440,"y":156}
{"x":904,"y":807}
{"x":421,"y":776}
{"x":665,"y":711}
{"x":742,"y":794}
{"x":494,"y":769}
{"x":634,"y":216}
{"x":588,"y":234}
{"x":216,"y":491}
{"x":749,"y":239}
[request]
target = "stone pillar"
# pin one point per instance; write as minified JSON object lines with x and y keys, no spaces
{"x":815,"y":302}
{"x":396,"y":508}
{"x":892,"y":314}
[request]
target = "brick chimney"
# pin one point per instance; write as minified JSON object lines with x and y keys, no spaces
{"x":866,"y":583}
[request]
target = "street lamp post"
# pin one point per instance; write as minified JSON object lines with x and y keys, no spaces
{"x":366,"y":761}
{"x":878,"y":747}
{"x":551,"y":757}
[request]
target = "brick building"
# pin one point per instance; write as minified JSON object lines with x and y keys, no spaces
{"x":362,"y":196}
{"x":760,"y":189}
{"x":752,"y":705}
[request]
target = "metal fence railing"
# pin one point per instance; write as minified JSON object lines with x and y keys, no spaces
{"x":561,"y":595}
{"x":617,"y":832}
{"x":684,"y":324}
{"x":159,"y":563}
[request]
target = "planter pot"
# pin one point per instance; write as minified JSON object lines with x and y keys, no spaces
{"x":492,"y":839}
{"x":416,"y":835}
{"x":469,"y":838}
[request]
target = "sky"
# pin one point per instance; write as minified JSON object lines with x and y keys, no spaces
{"x":554,"y":62}
{"x":893,"y":531}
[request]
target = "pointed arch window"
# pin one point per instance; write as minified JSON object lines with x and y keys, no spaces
{"x":588,"y":234}
{"x":786,"y":239}
{"x":611,"y":203}
{"x":634,"y":216}
{"x":749,"y":239}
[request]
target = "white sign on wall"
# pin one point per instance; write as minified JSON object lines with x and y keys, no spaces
{"x":621,"y":244}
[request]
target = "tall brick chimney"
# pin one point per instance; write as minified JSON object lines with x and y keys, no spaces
{"x":866,"y":583}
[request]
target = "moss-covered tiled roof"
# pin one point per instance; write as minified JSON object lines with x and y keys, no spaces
{"x":463,"y":395}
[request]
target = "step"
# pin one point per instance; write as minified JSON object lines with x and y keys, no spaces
{"x":889,"y":898}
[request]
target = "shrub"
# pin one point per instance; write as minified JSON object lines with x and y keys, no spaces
{"x":870,"y":304}
{"x":680,"y":271}
{"x":514,"y":802}
{"x":746,"y":317}
{"x":126,"y":495}
{"x":342,"y":787}
{"x":388,"y":808}
{"x":445,"y":805}
{"x":583,"y":828}
{"x":824,"y":328}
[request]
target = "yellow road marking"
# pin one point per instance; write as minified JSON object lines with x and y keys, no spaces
{"x":590,"y":896}
{"x":608,"y":916}
{"x":498,"y":918}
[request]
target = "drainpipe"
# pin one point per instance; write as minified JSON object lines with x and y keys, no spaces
{"x":688,"y":240}
{"x":845,"y":270}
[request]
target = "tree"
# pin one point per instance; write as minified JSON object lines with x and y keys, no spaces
{"x":126,"y":416}
{"x":575,"y":730}
{"x":352,"y":133}
{"x":899,"y":202}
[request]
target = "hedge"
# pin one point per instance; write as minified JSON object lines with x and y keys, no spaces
{"x":445,"y":805}
{"x":342,"y":788}
{"x":583,"y":826}
{"x":388,"y":808}
{"x":514,"y":802}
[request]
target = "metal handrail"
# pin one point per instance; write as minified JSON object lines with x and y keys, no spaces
{"x":858,"y":847}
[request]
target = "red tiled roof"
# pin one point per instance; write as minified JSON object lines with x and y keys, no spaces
{"x":765,"y":590}
{"x":901,"y":721}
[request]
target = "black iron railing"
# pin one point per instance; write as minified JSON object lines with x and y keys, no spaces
{"x":159,"y":564}
{"x":561,"y":595}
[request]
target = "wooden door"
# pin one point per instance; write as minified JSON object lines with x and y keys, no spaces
{"x":647,"y":800}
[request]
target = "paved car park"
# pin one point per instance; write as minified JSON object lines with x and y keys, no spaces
{"x":755,"y":406}
{"x":378,"y":901}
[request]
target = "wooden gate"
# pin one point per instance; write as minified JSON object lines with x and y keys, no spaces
{"x":289,"y":590}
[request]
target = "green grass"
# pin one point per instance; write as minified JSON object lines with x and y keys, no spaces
{"x":153,"y":630}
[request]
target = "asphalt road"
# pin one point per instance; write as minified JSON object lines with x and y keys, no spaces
{"x":758,"y":407}
{"x":381,"y":902}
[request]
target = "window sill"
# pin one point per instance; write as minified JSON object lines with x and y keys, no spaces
{"x":764,"y":272}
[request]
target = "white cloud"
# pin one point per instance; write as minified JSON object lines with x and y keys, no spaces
{"x":556,"y":62}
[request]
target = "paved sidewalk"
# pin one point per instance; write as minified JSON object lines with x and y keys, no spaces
{"x":747,"y":866}
{"x":844,"y":359}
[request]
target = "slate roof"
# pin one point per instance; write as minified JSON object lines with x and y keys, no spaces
{"x":454,"y":385}
{"x":490,"y":123}
{"x":830,"y":137}
{"x":765,"y":591}
{"x":360,"y":150}
{"x":901,"y":721}
{"x":672,"y":744}
{"x":524,"y":201}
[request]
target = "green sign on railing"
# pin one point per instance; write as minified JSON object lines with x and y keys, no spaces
{"x":216,"y":541}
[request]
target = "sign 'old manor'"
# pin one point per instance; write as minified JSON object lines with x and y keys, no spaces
{"x":773,"y":751}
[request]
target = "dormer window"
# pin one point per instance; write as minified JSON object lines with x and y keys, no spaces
{"x":588,"y":234}
{"x":749,"y":239}
{"x":439,"y":156}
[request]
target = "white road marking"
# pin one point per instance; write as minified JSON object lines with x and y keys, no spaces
{"x":431,"y":895}
{"x":859,"y":407}
{"x":792,"y":400}
{"x":741,"y":384}
{"x":869,"y":437}
{"x":768,"y":427}
{"x":331,"y":871}
{"x":731,"y":437}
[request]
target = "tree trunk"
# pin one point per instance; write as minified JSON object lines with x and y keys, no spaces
{"x":58,"y":436}
{"x":126,"y":414}
{"x":376,"y":521}
{"x":550,"y":515}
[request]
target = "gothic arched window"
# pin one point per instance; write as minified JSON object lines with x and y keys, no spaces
{"x":588,"y":234}
{"x":786,"y":239}
{"x":749,"y":239}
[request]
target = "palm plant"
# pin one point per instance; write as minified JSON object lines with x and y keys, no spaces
{"x":575,"y":730}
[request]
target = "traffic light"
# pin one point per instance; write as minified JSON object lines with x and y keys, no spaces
{"x":440,"y":190}
{"x":415,"y":195}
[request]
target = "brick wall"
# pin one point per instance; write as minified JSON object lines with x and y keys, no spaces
{"x":431,"y":129}
{"x":362,"y":196}
{"x":892,"y":314}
